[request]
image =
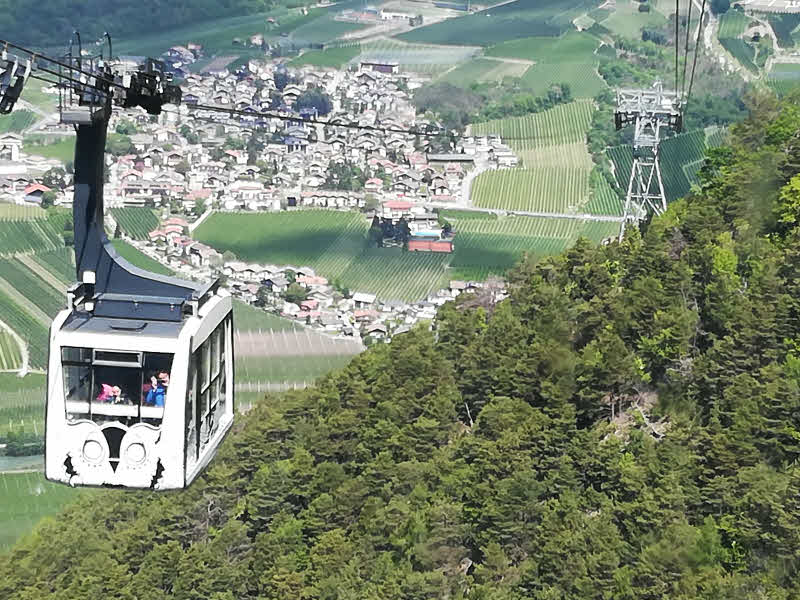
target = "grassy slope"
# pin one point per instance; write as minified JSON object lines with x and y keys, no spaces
{"x":136,"y":258}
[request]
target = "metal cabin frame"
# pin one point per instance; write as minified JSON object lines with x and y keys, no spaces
{"x":107,"y":284}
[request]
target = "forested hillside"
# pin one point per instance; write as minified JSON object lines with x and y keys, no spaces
{"x":33,"y":22}
{"x":481,"y":461}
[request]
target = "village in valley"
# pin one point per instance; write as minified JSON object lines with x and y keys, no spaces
{"x":187,"y":168}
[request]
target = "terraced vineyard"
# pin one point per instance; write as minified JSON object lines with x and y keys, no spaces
{"x":535,"y":189}
{"x":493,"y":245}
{"x":60,"y":263}
{"x":22,"y":403}
{"x":17,"y":121}
{"x":290,"y":369}
{"x":20,"y":212}
{"x":604,"y":199}
{"x":784,"y":77}
{"x":415,"y":57}
{"x":31,"y":329}
{"x":29,"y":236}
{"x":582,"y":78}
{"x":732,"y":25}
{"x":564,"y":124}
{"x":481,"y":70}
{"x":677,"y":154}
{"x":552,"y":147}
{"x":135,"y":222}
{"x":36,"y":290}
{"x":10,"y":355}
{"x":500,"y":23}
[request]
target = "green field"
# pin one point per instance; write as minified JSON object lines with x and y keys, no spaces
{"x":675,"y":154}
{"x":137,"y":259}
{"x":566,"y":59}
{"x":334,"y":243}
{"x":564,"y":124}
{"x":323,"y":29}
{"x":59,"y":263}
{"x":604,"y":199}
{"x":479,"y":70}
{"x":493,"y":245}
{"x":732,"y":24}
{"x":554,"y":177}
{"x":535,"y":189}
{"x":573,"y":46}
{"x":250,"y":318}
{"x":29,"y":235}
{"x":332,"y":57}
{"x":27,"y":497}
{"x":628,"y":22}
{"x":34,"y":288}
{"x":17,"y":121}
{"x":784,"y":77}
{"x":414,"y":57}
{"x":288,"y":369}
{"x":33,"y":331}
{"x":19,"y":212}
{"x":10,"y":355}
{"x":507,"y":22}
{"x":135,"y":222}
{"x":22,"y":402}
{"x":62,"y":149}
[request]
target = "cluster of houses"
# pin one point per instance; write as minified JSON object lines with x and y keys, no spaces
{"x":190,"y":161}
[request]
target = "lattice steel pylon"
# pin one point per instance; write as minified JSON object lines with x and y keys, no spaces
{"x":651,"y":111}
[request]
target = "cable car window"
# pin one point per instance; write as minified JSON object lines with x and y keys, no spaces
{"x":214,"y":339}
{"x":191,"y":414}
{"x":205,"y":363}
{"x":107,"y":385}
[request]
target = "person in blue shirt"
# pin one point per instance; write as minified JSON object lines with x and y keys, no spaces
{"x":158,"y":389}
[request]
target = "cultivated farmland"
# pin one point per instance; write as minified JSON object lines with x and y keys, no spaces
{"x":60,"y":263}
{"x":552,"y":147}
{"x":506,"y":22}
{"x":33,"y":330}
{"x":732,"y":25}
{"x":138,"y":259}
{"x":493,"y":245}
{"x":135,"y":222}
{"x":331,"y":57}
{"x":22,"y":403}
{"x":482,"y":70}
{"x":17,"y":121}
{"x":564,"y":124}
{"x":677,"y":154}
{"x":10,"y":355}
{"x":29,"y":236}
{"x":783,"y":77}
{"x":414,"y":57}
{"x":535,"y":189}
{"x":18,"y":212}
{"x":334,"y":244}
{"x":36,"y":290}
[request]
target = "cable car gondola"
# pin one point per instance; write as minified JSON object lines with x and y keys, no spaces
{"x":140,"y":384}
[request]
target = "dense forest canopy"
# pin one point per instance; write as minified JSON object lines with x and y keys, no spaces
{"x":54,"y":21}
{"x":482,"y":461}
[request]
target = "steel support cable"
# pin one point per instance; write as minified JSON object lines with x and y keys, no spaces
{"x":677,"y":40}
{"x":35,"y":55}
{"x":696,"y":52}
{"x":686,"y":47}
{"x":241,"y":125}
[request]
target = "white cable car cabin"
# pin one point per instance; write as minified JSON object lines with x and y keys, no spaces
{"x":140,"y":375}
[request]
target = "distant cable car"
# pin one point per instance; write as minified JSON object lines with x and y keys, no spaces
{"x":140,"y":375}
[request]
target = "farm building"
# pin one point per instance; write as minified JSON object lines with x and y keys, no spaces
{"x":429,"y":243}
{"x":380,"y":67}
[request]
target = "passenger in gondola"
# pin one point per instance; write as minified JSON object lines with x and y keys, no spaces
{"x":158,"y":389}
{"x":106,"y":393}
